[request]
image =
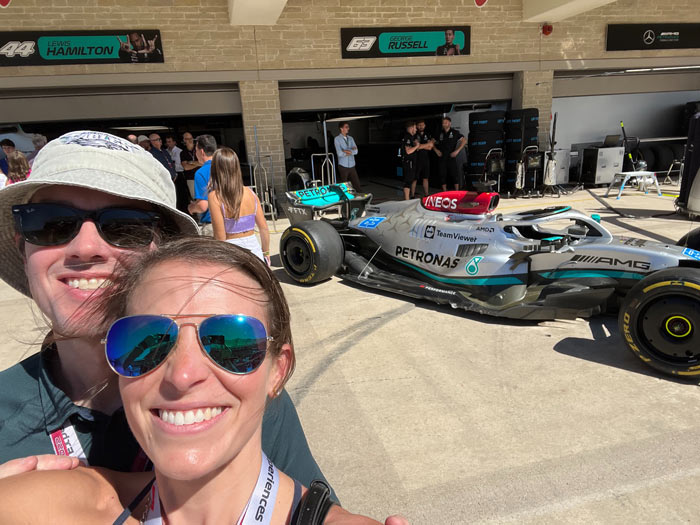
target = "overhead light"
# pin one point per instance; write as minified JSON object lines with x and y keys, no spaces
{"x":642,"y":70}
{"x":357,"y":117}
{"x":142,"y":128}
{"x":674,"y":67}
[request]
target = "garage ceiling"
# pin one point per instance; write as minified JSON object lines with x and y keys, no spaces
{"x":255,"y":12}
{"x":556,"y":10}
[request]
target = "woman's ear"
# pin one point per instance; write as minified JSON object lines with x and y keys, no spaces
{"x":281,"y":365}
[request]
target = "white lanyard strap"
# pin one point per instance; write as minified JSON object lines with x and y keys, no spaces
{"x":259,"y":508}
{"x":65,"y":442}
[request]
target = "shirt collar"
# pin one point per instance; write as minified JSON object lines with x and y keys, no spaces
{"x":55,"y":403}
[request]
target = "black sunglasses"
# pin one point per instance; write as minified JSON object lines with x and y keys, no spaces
{"x":48,"y":224}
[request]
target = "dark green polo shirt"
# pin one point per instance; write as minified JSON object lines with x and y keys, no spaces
{"x":32,"y":407}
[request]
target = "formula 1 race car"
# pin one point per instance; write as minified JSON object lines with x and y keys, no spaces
{"x":552,"y":263}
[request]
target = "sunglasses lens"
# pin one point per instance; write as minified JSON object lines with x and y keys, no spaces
{"x":237,"y":343}
{"x":138,"y":344}
{"x":47,"y":224}
{"x":126,"y":228}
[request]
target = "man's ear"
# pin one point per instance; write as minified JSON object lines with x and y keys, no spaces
{"x":19,"y":243}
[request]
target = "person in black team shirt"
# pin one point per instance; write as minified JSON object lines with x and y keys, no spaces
{"x":450,"y":143}
{"x":423,"y":160}
{"x":409,"y":148}
{"x":448,"y":48}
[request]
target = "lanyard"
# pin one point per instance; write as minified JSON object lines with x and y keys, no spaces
{"x":65,"y":442}
{"x":258,"y":509}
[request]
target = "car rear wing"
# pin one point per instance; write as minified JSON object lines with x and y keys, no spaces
{"x":310,"y":203}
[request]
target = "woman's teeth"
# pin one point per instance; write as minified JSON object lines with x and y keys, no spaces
{"x":189,"y":417}
{"x":88,"y":284}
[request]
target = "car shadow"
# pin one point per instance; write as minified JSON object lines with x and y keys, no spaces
{"x":607,"y":348}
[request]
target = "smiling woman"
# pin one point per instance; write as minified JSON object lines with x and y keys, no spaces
{"x":201,"y":344}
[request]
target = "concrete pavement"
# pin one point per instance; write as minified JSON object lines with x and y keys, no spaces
{"x":451,"y":417}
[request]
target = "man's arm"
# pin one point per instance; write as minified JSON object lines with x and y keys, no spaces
{"x":462,"y":142}
{"x":201,"y":204}
{"x":354,"y":146}
{"x":339,"y":148}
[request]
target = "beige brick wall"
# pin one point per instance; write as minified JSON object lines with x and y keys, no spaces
{"x":261,"y":111}
{"x":533,"y":89}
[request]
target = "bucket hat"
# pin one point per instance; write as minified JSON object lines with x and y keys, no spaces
{"x":93,"y":160}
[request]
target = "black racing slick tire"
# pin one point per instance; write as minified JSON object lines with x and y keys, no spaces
{"x":660,"y":321}
{"x":691,"y":240}
{"x":311,"y":251}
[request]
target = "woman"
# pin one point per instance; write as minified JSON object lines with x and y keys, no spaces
{"x":18,"y":167}
{"x":235,"y":210}
{"x":202,"y":342}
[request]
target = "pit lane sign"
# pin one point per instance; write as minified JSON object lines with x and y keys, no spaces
{"x":384,"y":42}
{"x":641,"y":37}
{"x":47,"y":48}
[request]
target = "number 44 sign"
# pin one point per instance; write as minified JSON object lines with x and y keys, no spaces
{"x":5,"y":3}
{"x":13,"y":47}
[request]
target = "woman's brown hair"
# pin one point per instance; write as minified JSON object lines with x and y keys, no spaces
{"x":18,"y":166}
{"x":227,"y":180}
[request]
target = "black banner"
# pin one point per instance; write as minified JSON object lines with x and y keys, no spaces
{"x":49,"y":48}
{"x":635,"y":37}
{"x":383,"y":42}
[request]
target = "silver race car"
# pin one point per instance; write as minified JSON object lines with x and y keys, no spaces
{"x":552,"y":263}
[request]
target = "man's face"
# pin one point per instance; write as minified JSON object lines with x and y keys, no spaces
{"x":449,"y":36}
{"x":145,"y":144}
{"x":156,"y":141}
{"x":200,"y":154}
{"x":411,"y":129}
{"x":8,"y":149}
{"x":345,"y":129}
{"x":420,"y":126}
{"x":136,"y":41}
{"x":188,"y":139}
{"x":132,"y":138}
{"x":170,"y":142}
{"x":446,"y":124}
{"x":64,"y":279}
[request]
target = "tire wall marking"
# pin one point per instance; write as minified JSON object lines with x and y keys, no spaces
{"x":628,"y":337}
{"x":313,"y":248}
{"x":670,"y":283}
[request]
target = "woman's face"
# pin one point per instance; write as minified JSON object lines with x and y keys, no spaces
{"x":188,"y":381}
{"x":62,"y":278}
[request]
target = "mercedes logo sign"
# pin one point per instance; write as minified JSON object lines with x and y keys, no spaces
{"x":649,"y":37}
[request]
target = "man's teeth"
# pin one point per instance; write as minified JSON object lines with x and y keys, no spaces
{"x":88,"y":284}
{"x":189,"y":417}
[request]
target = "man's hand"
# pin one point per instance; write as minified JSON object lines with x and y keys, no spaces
{"x":339,"y":516}
{"x":42,"y":462}
{"x":454,"y":154}
{"x":396,"y":519}
{"x":347,"y":151}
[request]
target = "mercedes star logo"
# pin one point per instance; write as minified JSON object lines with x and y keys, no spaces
{"x":649,"y":37}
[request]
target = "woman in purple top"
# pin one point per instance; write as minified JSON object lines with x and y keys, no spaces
{"x":235,"y":210}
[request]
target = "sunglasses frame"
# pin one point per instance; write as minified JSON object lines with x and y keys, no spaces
{"x":83,"y":215}
{"x":174,"y":318}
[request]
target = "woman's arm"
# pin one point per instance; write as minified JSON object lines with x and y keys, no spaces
{"x":217,"y":217}
{"x":261,"y":223}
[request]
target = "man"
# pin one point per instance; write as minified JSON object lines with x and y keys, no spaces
{"x":132,"y":138}
{"x":7,"y":147}
{"x":38,"y":141}
{"x":450,"y":143}
{"x":423,"y":160}
{"x":448,"y":48}
{"x":409,"y":149}
{"x":346,"y":149}
{"x":160,"y":155}
{"x":188,"y":158}
{"x":205,"y":146}
{"x":137,"y":48}
{"x":183,"y":193}
{"x":66,"y":393}
{"x":144,"y":142}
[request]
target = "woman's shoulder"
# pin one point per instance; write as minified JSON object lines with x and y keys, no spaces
{"x":83,"y":495}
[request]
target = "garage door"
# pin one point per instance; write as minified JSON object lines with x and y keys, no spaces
{"x":305,"y":96}
{"x":45,"y":105}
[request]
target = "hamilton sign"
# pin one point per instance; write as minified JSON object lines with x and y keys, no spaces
{"x":642,"y":37}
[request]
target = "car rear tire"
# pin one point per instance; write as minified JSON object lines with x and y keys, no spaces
{"x":691,"y":240}
{"x":311,"y":251}
{"x":660,"y":321}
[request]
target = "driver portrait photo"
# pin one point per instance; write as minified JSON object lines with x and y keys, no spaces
{"x":448,"y":48}
{"x":140,"y":48}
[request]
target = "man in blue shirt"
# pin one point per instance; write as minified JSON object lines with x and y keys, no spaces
{"x":205,"y":146}
{"x":346,"y":150}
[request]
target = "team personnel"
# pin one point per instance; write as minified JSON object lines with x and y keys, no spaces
{"x":409,"y":150}
{"x":450,"y":143}
{"x":448,"y":48}
{"x":422,"y":160}
{"x":346,"y":150}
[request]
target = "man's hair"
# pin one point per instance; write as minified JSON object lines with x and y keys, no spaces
{"x":206,"y":143}
{"x":7,"y":142}
{"x":201,"y":251}
{"x":419,"y":121}
{"x":169,"y":136}
{"x":342,"y":124}
{"x":450,"y":29}
{"x":186,"y":133}
{"x":39,"y":141}
{"x":447,"y":118}
{"x":410,"y":123}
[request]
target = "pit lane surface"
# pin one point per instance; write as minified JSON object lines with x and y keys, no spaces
{"x":451,"y":417}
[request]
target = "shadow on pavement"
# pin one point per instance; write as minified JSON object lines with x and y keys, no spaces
{"x":609,"y":350}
